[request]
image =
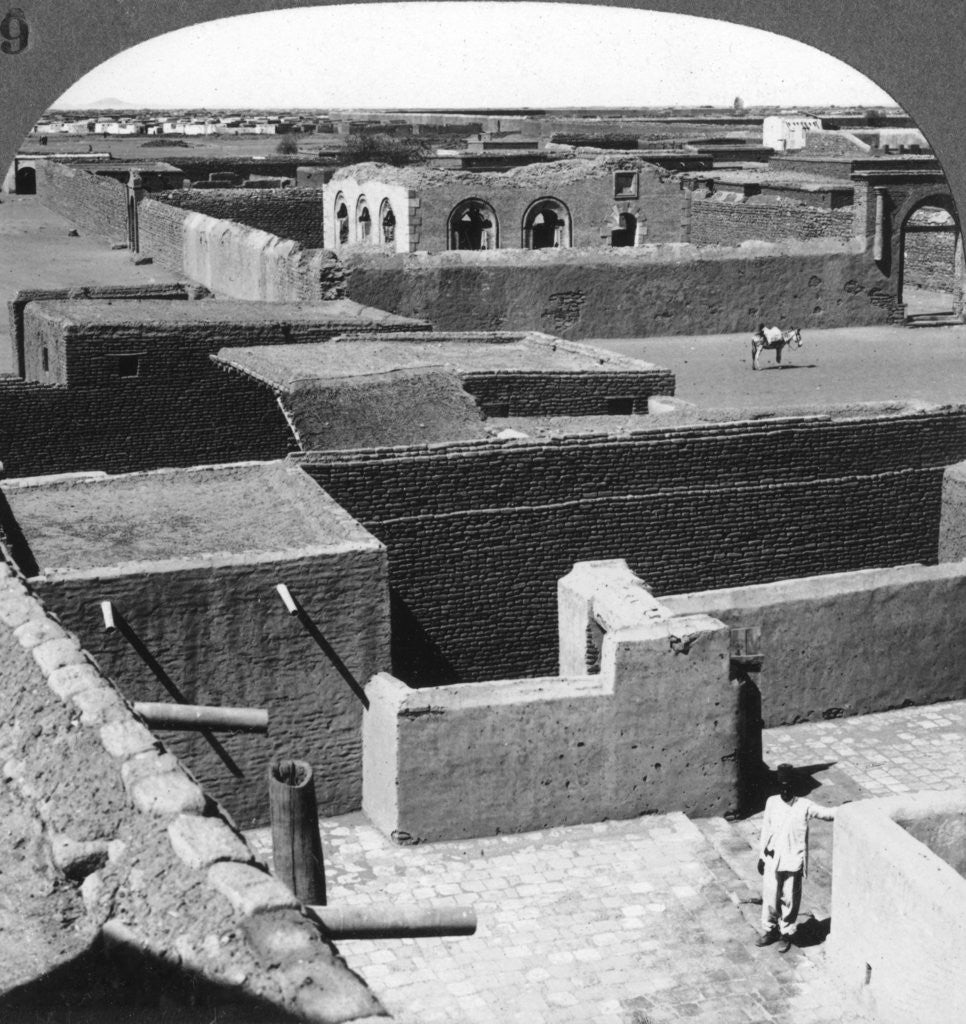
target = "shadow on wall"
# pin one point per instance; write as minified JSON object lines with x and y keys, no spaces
{"x":416,"y":656}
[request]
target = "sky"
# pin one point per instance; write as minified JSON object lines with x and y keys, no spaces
{"x":471,"y":54}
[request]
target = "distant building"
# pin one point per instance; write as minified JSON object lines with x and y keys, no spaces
{"x":603,"y":201}
{"x":783,"y":133}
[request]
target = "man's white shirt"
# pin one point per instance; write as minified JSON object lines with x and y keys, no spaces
{"x":784,"y":831}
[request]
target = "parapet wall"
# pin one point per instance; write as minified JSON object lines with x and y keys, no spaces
{"x":295,"y":213}
{"x":97,"y":205}
{"x":235,"y":261}
{"x":479,"y":533}
{"x":914,"y":973}
{"x":628,"y":293}
{"x":161,"y":881}
{"x":655,"y":731}
{"x":849,"y":643}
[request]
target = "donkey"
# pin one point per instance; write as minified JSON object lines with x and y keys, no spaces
{"x":773,"y":338}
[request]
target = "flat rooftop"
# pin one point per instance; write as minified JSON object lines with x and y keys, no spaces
{"x":285,"y":366}
{"x":73,"y":523}
{"x":228,"y":312}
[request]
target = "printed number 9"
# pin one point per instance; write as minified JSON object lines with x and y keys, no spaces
{"x":14,"y":31}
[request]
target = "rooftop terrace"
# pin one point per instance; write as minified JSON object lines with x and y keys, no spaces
{"x":72,"y":523}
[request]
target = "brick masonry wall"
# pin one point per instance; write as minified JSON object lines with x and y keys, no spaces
{"x":287,"y":212}
{"x":719,"y":222}
{"x":98,"y":206}
{"x":629,"y":293}
{"x":220,"y":418}
{"x":567,"y":394}
{"x":479,"y":534}
{"x":929,"y":260}
{"x":161,"y":233}
{"x":254,"y":655}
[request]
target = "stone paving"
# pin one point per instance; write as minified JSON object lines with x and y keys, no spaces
{"x":634,"y":922}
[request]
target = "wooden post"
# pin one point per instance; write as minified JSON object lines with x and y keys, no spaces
{"x":296,"y":845}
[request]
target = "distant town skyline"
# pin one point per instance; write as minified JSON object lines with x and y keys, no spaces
{"x":471,"y":55}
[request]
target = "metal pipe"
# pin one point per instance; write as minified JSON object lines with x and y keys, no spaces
{"x":162,"y":715}
{"x":107,"y":610}
{"x":395,"y":921}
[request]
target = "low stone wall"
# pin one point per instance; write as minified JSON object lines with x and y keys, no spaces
{"x":97,"y":205}
{"x":628,"y":293}
{"x":235,"y":261}
{"x":849,"y":643}
{"x":171,"y":888}
{"x":898,"y":937}
{"x":655,"y":731}
{"x":295,"y":213}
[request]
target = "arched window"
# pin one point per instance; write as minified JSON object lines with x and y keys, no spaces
{"x":342,"y":218}
{"x":387,"y":223}
{"x":625,"y":232}
{"x":546,"y":225}
{"x":473,"y":225}
{"x":363,"y":220}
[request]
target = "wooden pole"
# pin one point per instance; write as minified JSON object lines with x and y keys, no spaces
{"x":296,"y":845}
{"x":394,"y":921}
{"x":162,"y":715}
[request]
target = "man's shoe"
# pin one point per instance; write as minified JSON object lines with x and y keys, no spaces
{"x":767,"y":939}
{"x":786,"y":944}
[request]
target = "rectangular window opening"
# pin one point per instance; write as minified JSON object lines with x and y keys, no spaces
{"x":45,"y":359}
{"x":620,"y":405}
{"x":129,"y":366}
{"x":625,"y":184}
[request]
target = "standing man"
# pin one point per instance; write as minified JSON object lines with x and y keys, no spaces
{"x":783,"y":858}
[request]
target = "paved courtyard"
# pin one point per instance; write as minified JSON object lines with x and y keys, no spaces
{"x":634,"y":922}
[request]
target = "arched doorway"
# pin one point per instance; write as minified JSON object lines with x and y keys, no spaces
{"x":626,"y":231}
{"x":473,"y":225}
{"x":546,"y":225}
{"x":342,"y":219}
{"x":26,"y":181}
{"x":930,"y":250}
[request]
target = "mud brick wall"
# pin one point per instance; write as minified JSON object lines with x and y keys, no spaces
{"x":628,"y":293}
{"x":234,"y":260}
{"x":98,"y":206}
{"x":139,"y":425}
{"x":161,"y":233}
{"x":479,"y":534}
{"x":287,"y":212}
{"x":254,"y":654}
{"x":567,"y":394}
{"x":929,"y":260}
{"x":719,"y":222}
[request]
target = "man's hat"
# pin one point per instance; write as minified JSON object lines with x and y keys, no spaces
{"x":785,"y":772}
